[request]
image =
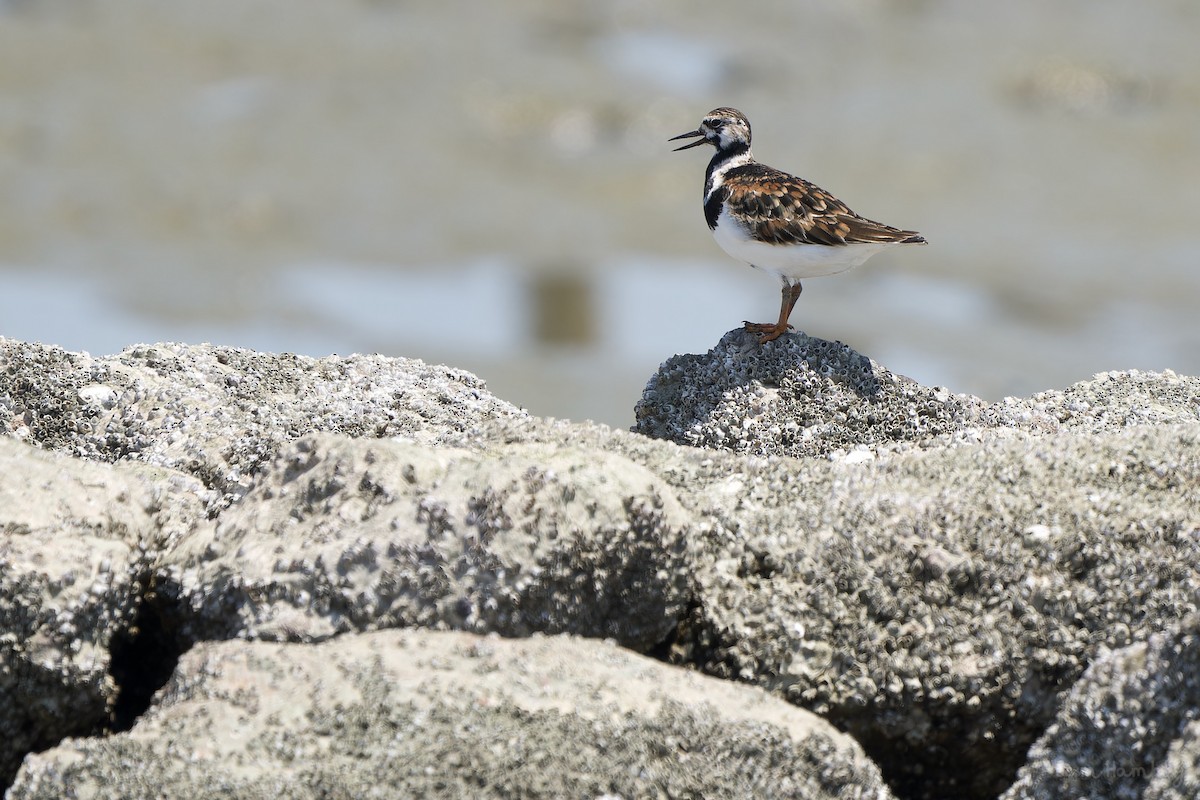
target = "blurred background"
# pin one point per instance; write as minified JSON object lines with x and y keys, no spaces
{"x":488,"y":185}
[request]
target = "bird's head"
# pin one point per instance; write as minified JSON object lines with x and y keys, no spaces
{"x":723,"y":128}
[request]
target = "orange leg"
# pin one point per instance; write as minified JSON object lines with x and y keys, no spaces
{"x":769,"y":332}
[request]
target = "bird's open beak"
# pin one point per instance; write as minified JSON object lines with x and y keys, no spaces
{"x":689,"y":135}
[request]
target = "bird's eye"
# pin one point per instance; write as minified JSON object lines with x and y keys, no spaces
{"x":715,"y":124}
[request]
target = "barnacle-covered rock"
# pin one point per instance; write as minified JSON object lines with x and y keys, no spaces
{"x":803,"y":396}
{"x":796,"y":396}
{"x":344,"y":534}
{"x":427,"y":714}
{"x":77,"y":542}
{"x":932,"y":582}
{"x":220,"y":413}
{"x":1127,"y":728}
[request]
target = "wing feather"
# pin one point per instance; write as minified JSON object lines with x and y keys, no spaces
{"x":779,"y":208}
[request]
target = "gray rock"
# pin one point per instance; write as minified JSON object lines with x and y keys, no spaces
{"x":1112,"y":401}
{"x":424,"y":714}
{"x":1127,"y":729}
{"x":934,"y":603}
{"x":797,"y":396}
{"x":221,"y":412}
{"x":1178,"y":777}
{"x":802,"y":396}
{"x":76,"y":546}
{"x":931,"y":589}
{"x":343,"y":534}
{"x":973,"y":557}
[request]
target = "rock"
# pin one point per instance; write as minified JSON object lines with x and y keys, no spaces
{"x":341,"y":535}
{"x":76,"y":546}
{"x":796,"y":396}
{"x":934,"y":603}
{"x":1128,"y":728}
{"x":1115,"y":400}
{"x":219,"y":413}
{"x":932,"y":590}
{"x":428,"y":714}
{"x":803,"y":396}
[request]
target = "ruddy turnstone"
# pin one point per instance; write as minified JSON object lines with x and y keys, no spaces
{"x":777,"y":222}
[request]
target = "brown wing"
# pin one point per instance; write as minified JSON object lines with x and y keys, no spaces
{"x":782,"y":209}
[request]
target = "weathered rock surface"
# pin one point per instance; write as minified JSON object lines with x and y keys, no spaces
{"x":425,"y":714}
{"x":344,"y":534}
{"x":220,"y":412}
{"x":796,"y":396}
{"x":1129,"y":728}
{"x":932,"y":583}
{"x":934,"y":603}
{"x":77,"y":540}
{"x":802,"y":396}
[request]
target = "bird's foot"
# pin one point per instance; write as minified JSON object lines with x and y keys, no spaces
{"x":767,"y":331}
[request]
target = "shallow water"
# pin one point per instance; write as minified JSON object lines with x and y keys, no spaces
{"x":440,"y":180}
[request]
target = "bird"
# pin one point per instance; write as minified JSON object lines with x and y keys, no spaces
{"x":781,"y":224}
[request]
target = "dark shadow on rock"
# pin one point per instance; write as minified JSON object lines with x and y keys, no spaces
{"x":142,"y":659}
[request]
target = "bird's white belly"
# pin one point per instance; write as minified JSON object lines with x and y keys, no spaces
{"x":792,"y":262}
